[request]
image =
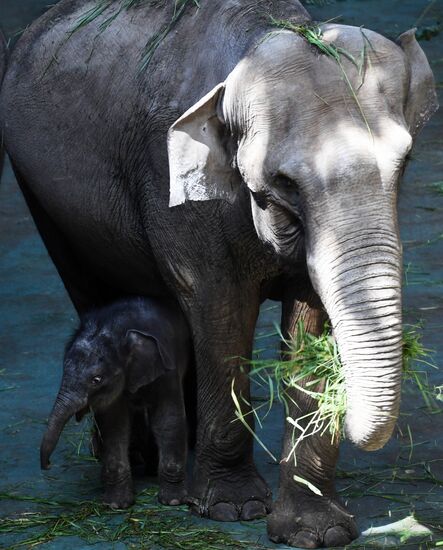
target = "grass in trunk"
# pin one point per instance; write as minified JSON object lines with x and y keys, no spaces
{"x":312,"y":365}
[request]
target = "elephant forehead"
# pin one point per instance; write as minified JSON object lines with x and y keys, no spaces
{"x":91,"y":348}
{"x":287,"y":80}
{"x":349,"y":152}
{"x":356,"y":152}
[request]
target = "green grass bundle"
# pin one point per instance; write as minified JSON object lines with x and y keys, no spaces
{"x":116,"y":8}
{"x":313,"y":367}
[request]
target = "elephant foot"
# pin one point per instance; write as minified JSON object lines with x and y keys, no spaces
{"x":172,"y":494}
{"x":231,"y":495}
{"x":118,"y":497}
{"x":311,"y":522}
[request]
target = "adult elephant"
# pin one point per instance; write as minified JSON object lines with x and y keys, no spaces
{"x":305,"y":154}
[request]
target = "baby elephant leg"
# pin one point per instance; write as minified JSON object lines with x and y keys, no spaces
{"x":168,"y":422}
{"x":114,"y":428}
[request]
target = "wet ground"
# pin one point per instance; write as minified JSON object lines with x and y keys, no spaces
{"x":36,"y":317}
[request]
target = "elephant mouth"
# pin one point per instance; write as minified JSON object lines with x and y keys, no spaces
{"x":79,"y":415}
{"x":287,"y":230}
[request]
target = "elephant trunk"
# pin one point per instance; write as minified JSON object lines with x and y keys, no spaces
{"x":65,"y":406}
{"x":357,"y":275}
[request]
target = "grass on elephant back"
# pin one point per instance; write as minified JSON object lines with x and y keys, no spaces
{"x":312,"y":366}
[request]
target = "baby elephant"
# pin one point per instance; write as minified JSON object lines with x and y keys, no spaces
{"x":130,"y":355}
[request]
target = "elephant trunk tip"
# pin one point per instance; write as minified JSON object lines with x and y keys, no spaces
{"x":45,"y":453}
{"x":369,"y":434}
{"x":45,"y":464}
{"x":65,"y":406}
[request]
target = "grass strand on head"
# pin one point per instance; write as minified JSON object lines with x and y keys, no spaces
{"x":314,"y":35}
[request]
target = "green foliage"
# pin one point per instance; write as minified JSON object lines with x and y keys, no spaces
{"x":428,"y":32}
{"x":314,"y":35}
{"x":146,"y":525}
{"x":312,"y":365}
{"x":116,"y":8}
{"x":415,"y":357}
{"x":437,"y":186}
{"x":151,"y":47}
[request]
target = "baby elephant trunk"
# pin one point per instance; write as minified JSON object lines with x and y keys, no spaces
{"x":65,"y":406}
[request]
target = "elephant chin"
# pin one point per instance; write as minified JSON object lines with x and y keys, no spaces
{"x":79,"y":415}
{"x":279,"y":228}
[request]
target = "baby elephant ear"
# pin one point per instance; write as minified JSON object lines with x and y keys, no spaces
{"x":422,"y":97}
{"x":147,"y":361}
{"x":200,"y":154}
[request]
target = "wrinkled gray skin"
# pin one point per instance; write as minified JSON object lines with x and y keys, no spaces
{"x":307,"y":216}
{"x":131,"y":355}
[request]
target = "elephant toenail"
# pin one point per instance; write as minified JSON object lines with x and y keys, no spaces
{"x":253,"y":509}
{"x":304,"y":539}
{"x":336,"y":536}
{"x":223,"y":511}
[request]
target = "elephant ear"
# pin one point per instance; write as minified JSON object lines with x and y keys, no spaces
{"x":200,"y":161}
{"x":422,"y":97}
{"x":147,"y":361}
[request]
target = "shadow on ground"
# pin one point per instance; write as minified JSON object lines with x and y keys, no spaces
{"x":59,"y":509}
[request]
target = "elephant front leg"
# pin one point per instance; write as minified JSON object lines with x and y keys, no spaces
{"x":226,"y":485}
{"x":300,"y":517}
{"x":114,"y":428}
{"x":168,"y":422}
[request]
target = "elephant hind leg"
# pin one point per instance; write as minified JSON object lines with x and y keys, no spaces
{"x":143,"y":449}
{"x":85,"y":290}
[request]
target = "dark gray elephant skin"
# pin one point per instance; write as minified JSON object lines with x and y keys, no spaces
{"x":128,"y":357}
{"x":306,"y":179}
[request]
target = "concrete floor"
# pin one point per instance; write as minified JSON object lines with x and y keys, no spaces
{"x":36,"y":318}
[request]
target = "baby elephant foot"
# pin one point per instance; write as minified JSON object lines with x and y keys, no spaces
{"x":311,"y":522}
{"x":172,"y":494}
{"x":239,"y":494}
{"x":118,"y":497}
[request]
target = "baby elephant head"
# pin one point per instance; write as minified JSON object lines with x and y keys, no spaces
{"x":99,"y":366}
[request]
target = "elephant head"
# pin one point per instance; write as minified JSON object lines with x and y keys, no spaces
{"x":99,"y":366}
{"x":321,"y":145}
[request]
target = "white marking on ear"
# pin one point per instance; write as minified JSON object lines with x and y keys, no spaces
{"x":199,"y":164}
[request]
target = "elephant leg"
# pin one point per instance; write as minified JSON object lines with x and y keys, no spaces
{"x":143,"y":449}
{"x":226,"y":485}
{"x":84,"y":290}
{"x":113,"y":425}
{"x":168,"y":422}
{"x":300,"y":517}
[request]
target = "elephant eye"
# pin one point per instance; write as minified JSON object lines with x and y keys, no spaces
{"x":286,"y":183}
{"x":96,"y":380}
